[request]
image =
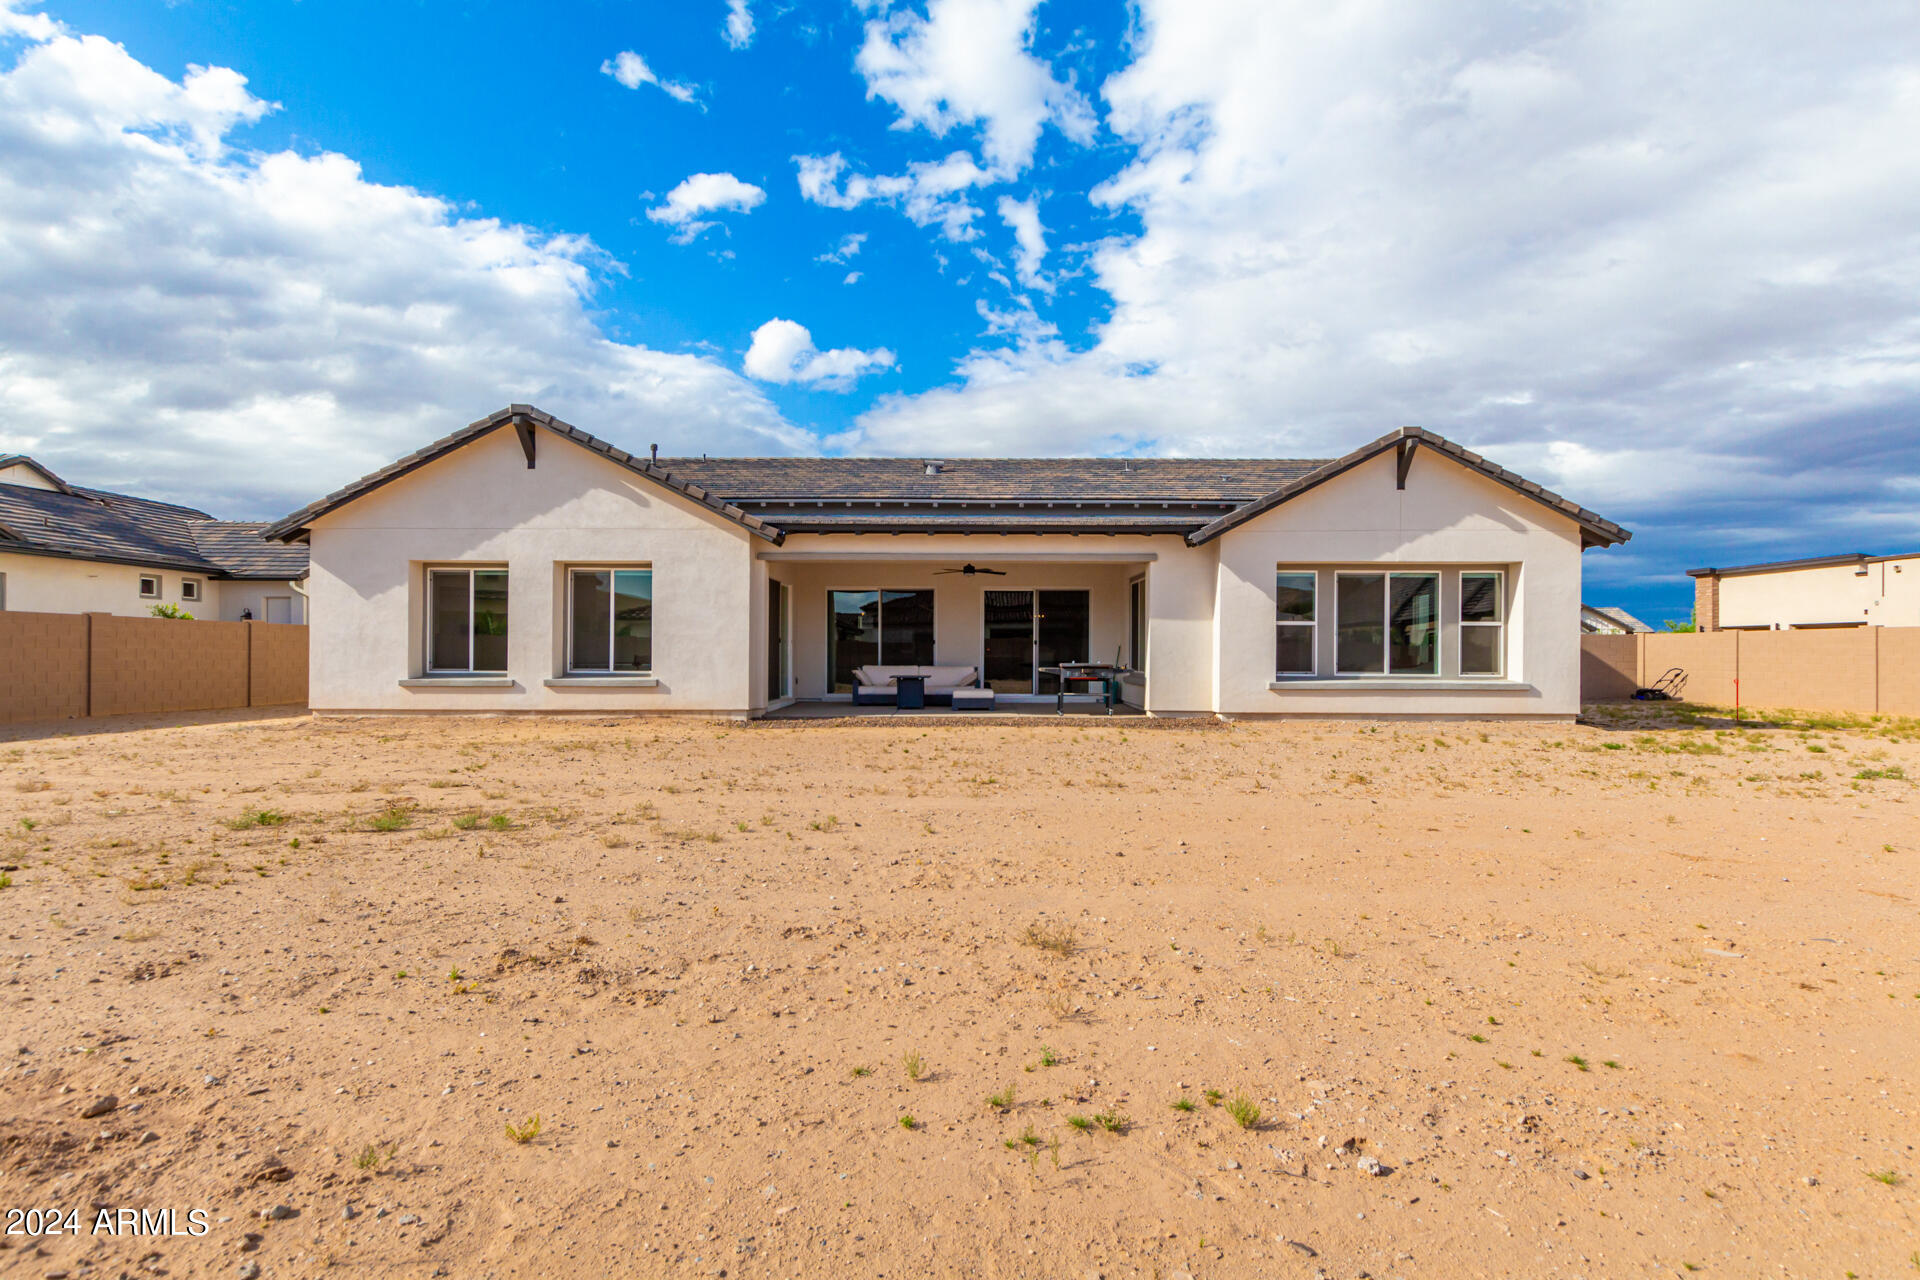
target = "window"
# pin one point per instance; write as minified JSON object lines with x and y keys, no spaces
{"x":1295,"y":622}
{"x":1137,"y":624}
{"x":610,"y":621}
{"x":189,"y":589}
{"x":1483,"y":623}
{"x":1387,"y":624}
{"x":467,"y":620}
{"x":877,"y":628}
{"x":149,"y":587}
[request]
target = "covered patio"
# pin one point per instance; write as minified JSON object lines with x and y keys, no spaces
{"x":1078,"y":708}
{"x":997,"y":614}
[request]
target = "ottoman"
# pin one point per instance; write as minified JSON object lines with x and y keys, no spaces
{"x":973,"y":699}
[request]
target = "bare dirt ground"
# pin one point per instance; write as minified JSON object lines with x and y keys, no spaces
{"x":1619,"y":999}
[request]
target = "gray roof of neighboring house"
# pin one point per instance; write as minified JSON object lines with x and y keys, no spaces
{"x":1812,"y":562}
{"x":1197,"y":498}
{"x":93,"y":524}
{"x":1615,"y":613}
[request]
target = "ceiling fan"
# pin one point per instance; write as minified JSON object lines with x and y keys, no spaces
{"x":970,"y":570}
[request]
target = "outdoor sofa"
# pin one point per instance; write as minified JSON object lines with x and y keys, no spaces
{"x":874,"y":686}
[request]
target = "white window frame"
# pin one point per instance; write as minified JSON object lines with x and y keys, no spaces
{"x":158,"y":586}
{"x":1312,"y":628}
{"x":608,"y":670}
{"x":426,"y":632}
{"x":190,"y":589}
{"x":1386,"y":577}
{"x":1498,"y":625}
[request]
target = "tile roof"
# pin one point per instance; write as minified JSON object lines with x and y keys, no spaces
{"x":758,"y":482}
{"x":118,"y":528}
{"x":1199,"y":498}
{"x":517,"y":416}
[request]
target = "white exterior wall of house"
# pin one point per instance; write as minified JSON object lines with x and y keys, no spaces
{"x":56,"y":584}
{"x":480,"y":506}
{"x":1886,"y":595}
{"x":1447,"y":518}
{"x":237,"y":594}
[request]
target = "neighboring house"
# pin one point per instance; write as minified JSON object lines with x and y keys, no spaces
{"x":64,"y":549}
{"x":1609,"y":620}
{"x":520,"y":564}
{"x":1856,"y":590}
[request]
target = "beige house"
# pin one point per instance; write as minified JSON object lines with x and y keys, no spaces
{"x":65,"y":549}
{"x":521,"y":564}
{"x":1829,"y":591}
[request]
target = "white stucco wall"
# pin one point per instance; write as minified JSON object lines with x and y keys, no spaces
{"x":235,"y":595}
{"x":1887,"y":594}
{"x":1447,"y":518}
{"x":53,"y":584}
{"x":481,"y":506}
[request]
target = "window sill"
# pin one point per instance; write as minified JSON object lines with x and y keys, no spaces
{"x":458,"y":682}
{"x":603,"y":682}
{"x":1369,"y":684}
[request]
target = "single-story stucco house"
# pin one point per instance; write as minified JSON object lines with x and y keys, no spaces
{"x":1822,"y":592}
{"x":68,"y":549}
{"x":521,"y":564}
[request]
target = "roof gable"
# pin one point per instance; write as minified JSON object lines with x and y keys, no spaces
{"x":526,"y":420}
{"x":14,"y":464}
{"x":1595,"y":530}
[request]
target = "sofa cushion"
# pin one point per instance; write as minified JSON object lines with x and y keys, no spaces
{"x":947,"y":677}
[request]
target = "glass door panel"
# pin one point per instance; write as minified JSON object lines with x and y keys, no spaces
{"x":1061,"y":633}
{"x":1009,"y":641}
{"x":853,"y":635}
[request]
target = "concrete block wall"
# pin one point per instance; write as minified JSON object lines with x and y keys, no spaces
{"x":1865,"y":670}
{"x":43,"y":666}
{"x":279,"y":664}
{"x":161,"y":664}
{"x":58,"y":666}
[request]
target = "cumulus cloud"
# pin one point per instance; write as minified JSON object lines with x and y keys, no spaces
{"x":783,"y":351}
{"x":1685,"y":237}
{"x":970,"y":62}
{"x":704,"y":193}
{"x":739,"y":29}
{"x":931,"y":193}
{"x":244,"y":332}
{"x":1030,"y":240}
{"x":632,"y":71}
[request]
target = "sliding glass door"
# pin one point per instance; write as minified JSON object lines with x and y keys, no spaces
{"x":1027,"y":630}
{"x":877,"y":628}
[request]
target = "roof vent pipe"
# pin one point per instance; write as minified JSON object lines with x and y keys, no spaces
{"x":653,"y":452}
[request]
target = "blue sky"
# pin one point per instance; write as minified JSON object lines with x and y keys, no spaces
{"x":1664,"y":259}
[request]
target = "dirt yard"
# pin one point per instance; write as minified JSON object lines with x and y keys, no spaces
{"x":819,"y":1000}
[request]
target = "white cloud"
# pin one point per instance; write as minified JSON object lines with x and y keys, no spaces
{"x":931,"y":193}
{"x":739,"y":28}
{"x":704,"y":193}
{"x":1030,"y":240}
{"x":970,"y":62}
{"x":849,"y":246}
{"x":1686,"y":235}
{"x":852,"y":277}
{"x":245,"y":332}
{"x":631,"y":70}
{"x":33,"y":26}
{"x":783,"y":351}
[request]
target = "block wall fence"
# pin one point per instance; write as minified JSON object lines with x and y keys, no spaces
{"x":63,"y":666}
{"x":1868,"y":670}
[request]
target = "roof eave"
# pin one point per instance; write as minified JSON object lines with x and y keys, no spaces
{"x":294,"y":526}
{"x":1595,"y":530}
